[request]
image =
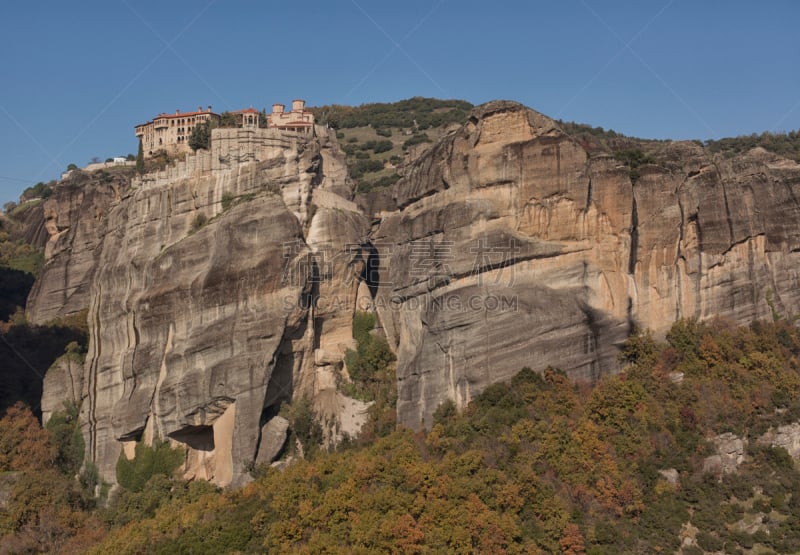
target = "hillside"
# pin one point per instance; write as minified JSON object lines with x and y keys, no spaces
{"x":381,"y":138}
{"x":541,"y":464}
{"x":415,"y":329}
{"x":535,"y":465}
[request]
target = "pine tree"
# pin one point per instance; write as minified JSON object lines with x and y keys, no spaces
{"x":140,"y":158}
{"x":201,"y":136}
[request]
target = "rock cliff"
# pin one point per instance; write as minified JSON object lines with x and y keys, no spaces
{"x":75,"y":220}
{"x":198,"y":291}
{"x":511,"y":246}
{"x":227,"y":286}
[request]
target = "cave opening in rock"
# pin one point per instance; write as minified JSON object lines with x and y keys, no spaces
{"x":133,"y":436}
{"x":268,"y":412}
{"x":370,"y":271}
{"x":199,"y":438}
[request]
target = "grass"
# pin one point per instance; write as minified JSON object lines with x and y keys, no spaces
{"x":355,"y":136}
{"x":24,"y":206}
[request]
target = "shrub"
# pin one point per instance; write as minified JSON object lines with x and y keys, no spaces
{"x":40,"y":190}
{"x":378,"y":146}
{"x":158,"y":459}
{"x":361,"y":167}
{"x":368,"y":365}
{"x":199,"y":221}
{"x":416,"y":139}
{"x":634,"y":158}
{"x":382,"y":146}
{"x":304,"y":425}
{"x":134,"y":506}
{"x":363,"y":323}
{"x":228,"y":119}
{"x":707,"y":542}
{"x":227,"y":201}
{"x":380,"y":183}
{"x":65,"y":433}
{"x":639,"y":348}
{"x":444,"y":412}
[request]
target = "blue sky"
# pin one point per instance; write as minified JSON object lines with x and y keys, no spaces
{"x":77,"y":76}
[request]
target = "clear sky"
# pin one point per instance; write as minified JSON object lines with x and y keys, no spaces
{"x":75,"y":77}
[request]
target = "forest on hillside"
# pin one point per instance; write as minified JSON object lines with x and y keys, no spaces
{"x":536,"y":465}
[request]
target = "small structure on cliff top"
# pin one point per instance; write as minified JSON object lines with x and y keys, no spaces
{"x":171,"y":132}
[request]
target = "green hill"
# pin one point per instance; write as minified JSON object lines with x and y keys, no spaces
{"x":379,"y":138}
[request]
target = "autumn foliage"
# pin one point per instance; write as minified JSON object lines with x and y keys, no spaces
{"x":536,"y":465}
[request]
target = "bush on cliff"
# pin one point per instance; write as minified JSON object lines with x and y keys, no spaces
{"x":369,"y":365}
{"x":158,"y":459}
{"x":66,"y":434}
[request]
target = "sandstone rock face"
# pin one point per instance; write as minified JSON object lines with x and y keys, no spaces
{"x":273,"y":436}
{"x":730,"y":453}
{"x":671,"y":475}
{"x":75,"y":218}
{"x":504,"y":245}
{"x":731,"y":449}
{"x":185,"y":323}
{"x":30,"y":227}
{"x":787,"y":436}
{"x":202,"y":313}
{"x":511,"y":247}
{"x":63,"y":383}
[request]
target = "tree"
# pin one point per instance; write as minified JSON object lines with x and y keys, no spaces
{"x":74,"y":167}
{"x":24,"y":445}
{"x":201,"y":136}
{"x":40,"y":190}
{"x":65,"y":434}
{"x":140,"y":158}
{"x":228,"y":119}
{"x":149,"y":460}
{"x":572,"y":541}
